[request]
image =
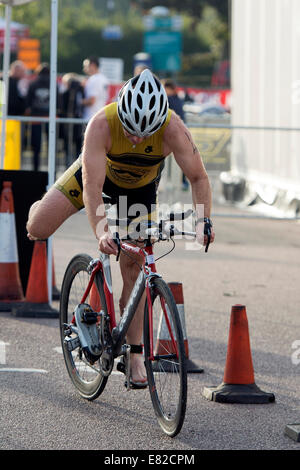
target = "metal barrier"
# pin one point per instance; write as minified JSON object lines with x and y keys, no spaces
{"x":172,"y":174}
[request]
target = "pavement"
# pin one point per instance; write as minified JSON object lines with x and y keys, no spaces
{"x":253,"y":262}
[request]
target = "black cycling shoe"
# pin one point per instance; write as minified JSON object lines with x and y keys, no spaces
{"x":86,"y":322}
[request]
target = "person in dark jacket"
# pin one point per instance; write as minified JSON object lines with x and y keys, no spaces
{"x":38,"y":100}
{"x":176,"y":104}
{"x":16,"y":96}
{"x":71,"y":107}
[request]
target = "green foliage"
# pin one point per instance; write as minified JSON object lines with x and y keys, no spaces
{"x":81,"y":23}
{"x":192,"y":7}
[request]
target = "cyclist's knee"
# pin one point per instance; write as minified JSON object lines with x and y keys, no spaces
{"x":33,"y":225}
{"x":47,"y":215}
{"x":37,"y":230}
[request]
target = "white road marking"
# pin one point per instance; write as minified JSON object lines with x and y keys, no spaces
{"x":39,"y":371}
{"x":15,"y":369}
{"x":3,"y":352}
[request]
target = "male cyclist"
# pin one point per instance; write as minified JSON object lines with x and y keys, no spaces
{"x":123,"y":154}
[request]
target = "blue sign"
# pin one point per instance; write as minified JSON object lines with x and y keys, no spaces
{"x":165,"y":49}
{"x":172,"y":23}
{"x":113,"y":32}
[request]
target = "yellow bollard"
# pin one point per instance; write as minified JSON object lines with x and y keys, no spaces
{"x":12,"y":158}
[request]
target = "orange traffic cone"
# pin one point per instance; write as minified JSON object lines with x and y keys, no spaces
{"x":163,"y":341}
{"x":36,"y":301}
{"x":11,"y":291}
{"x":238,"y":384}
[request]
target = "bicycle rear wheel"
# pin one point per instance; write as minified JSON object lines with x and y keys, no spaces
{"x":87,"y":378}
{"x":166,"y":371}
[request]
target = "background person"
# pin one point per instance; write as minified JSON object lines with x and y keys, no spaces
{"x":95,"y":89}
{"x":176,"y":104}
{"x":17,"y":92}
{"x":37,"y":105}
{"x":72,"y":107}
{"x":38,"y":100}
{"x":138,"y":69}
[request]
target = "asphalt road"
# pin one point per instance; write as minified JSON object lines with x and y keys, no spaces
{"x":254,"y":262}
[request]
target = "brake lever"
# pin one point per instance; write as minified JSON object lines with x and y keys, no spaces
{"x":207,"y":244}
{"x":207,"y":232}
{"x":116,"y":239}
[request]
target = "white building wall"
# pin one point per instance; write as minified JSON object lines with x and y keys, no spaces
{"x":266,"y":92}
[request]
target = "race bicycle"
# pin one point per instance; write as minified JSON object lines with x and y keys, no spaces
{"x":87,"y":294}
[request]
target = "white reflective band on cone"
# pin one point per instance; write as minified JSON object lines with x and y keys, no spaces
{"x":8,"y":239}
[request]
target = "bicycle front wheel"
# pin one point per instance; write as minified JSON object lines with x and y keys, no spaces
{"x":166,"y":370}
{"x":87,"y":378}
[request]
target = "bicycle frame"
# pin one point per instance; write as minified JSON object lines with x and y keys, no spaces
{"x":143,"y":282}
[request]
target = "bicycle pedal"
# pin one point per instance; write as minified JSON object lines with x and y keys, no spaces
{"x":121,"y":366}
{"x":72,"y":343}
{"x":89,"y":316}
{"x":124,"y":365}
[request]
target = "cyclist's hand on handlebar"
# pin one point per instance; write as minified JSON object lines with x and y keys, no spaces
{"x":107,"y":244}
{"x":205,"y":232}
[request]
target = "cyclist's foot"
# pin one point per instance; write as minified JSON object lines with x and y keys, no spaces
{"x":138,"y":377}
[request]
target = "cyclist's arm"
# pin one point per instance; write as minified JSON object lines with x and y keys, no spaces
{"x":96,"y":142}
{"x":181,"y":143}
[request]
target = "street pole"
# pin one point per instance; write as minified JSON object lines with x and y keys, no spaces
{"x":6,"y":62}
{"x":52,"y":125}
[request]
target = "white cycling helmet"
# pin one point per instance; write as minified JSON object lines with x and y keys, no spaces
{"x":143,"y":105}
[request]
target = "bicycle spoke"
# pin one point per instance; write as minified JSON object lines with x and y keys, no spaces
{"x":86,"y":377}
{"x":167,"y":372}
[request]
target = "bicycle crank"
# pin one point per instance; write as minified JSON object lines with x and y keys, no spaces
{"x":107,"y":357}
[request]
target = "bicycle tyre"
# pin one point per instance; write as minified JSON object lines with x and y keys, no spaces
{"x":167,"y":378}
{"x":88,"y":380}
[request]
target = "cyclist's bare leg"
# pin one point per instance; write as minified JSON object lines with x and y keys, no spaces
{"x":130,"y":271}
{"x":48,"y":214}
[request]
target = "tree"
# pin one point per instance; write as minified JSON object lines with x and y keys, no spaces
{"x":192,"y":7}
{"x":81,"y":23}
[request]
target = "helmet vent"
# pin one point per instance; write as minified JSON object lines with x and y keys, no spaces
{"x":129,"y":98}
{"x":124,"y":106}
{"x":161,"y":103}
{"x":150,"y":88}
{"x":134,"y":81}
{"x":137,"y":116}
{"x":151,"y":118}
{"x":152,"y":102}
{"x":139,"y":101}
{"x":143,"y":87}
{"x":129,"y":125}
{"x":143,"y":126}
{"x":158,"y":84}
